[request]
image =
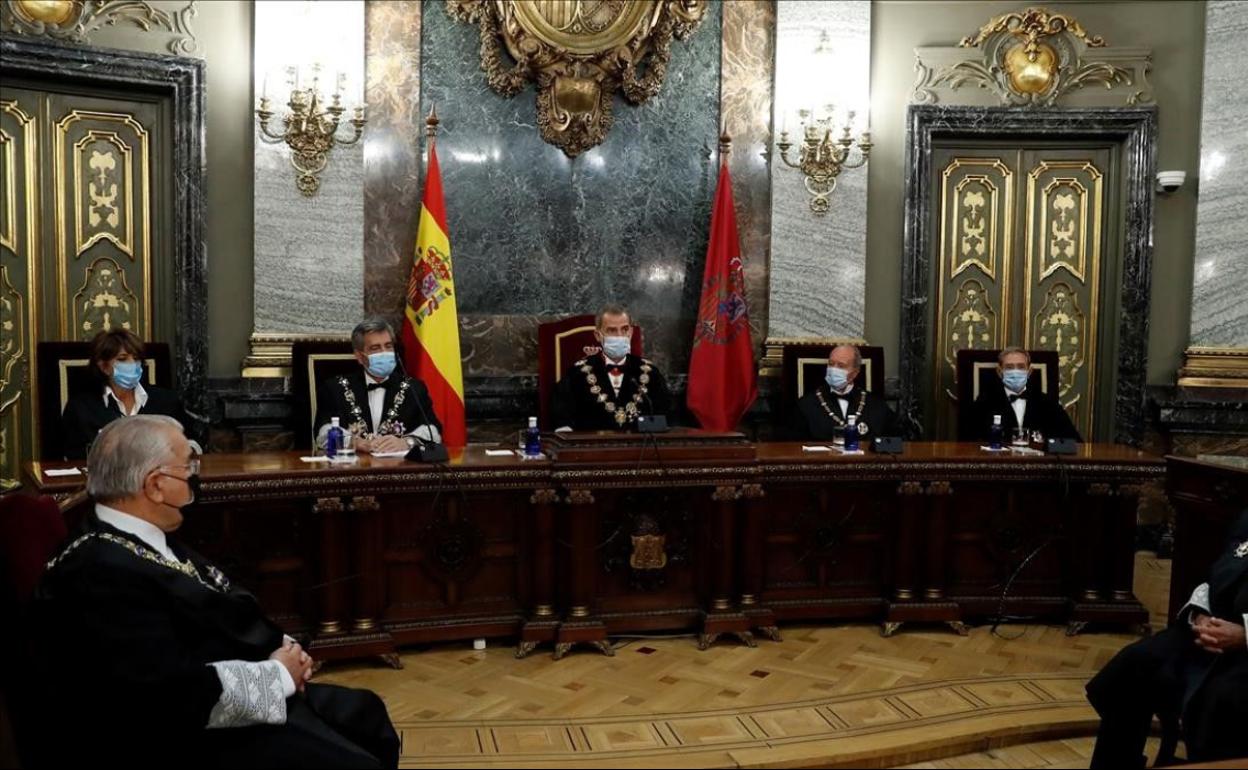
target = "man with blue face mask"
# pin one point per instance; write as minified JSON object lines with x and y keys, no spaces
{"x":610,"y":389}
{"x":1019,"y":403}
{"x":382,"y":408}
{"x":822,"y":414}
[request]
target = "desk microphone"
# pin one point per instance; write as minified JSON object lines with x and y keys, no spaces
{"x":425,"y":451}
{"x":651,"y":423}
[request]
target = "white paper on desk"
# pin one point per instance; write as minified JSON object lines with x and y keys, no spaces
{"x":816,"y":448}
{"x":850,"y":451}
{"x":398,"y":453}
{"x":499,"y":453}
{"x":990,"y":449}
{"x":62,"y":472}
{"x":340,"y":459}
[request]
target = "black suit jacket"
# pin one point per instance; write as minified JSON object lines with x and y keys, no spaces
{"x":85,"y":414}
{"x":1044,"y":414}
{"x":810,"y":421}
{"x":123,"y":645}
{"x":582,"y":398}
{"x":407,"y":401}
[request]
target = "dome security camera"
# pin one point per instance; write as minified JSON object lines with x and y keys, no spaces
{"x":1169,"y":181}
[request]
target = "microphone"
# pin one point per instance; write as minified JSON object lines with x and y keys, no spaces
{"x":651,"y":423}
{"x":425,"y":451}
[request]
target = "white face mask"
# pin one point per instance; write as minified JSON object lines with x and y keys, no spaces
{"x":616,"y":348}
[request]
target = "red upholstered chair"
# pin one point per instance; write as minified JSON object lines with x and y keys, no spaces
{"x":804,"y":366}
{"x":977,"y":369}
{"x":559,"y":345}
{"x":31,"y":530}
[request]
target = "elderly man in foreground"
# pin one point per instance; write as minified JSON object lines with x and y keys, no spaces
{"x":152,"y":656}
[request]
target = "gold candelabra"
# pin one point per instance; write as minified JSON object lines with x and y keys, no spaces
{"x":821,"y":159}
{"x":310,"y":129}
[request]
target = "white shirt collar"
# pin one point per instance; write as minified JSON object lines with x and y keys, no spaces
{"x":140,"y":399}
{"x":146,"y":531}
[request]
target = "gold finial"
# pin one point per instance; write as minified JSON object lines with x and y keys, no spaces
{"x":431,"y":122}
{"x":725,"y":144}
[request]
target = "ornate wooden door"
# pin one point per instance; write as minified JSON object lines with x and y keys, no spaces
{"x":1026,"y":253}
{"x":85,"y":219}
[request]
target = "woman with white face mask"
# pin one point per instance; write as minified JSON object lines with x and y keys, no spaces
{"x":118,"y":390}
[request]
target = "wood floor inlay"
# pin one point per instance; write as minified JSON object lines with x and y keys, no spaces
{"x":835,"y":695}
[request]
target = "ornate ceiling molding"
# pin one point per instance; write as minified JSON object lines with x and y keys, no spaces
{"x":578,"y":52}
{"x":1034,"y":57}
{"x":75,"y":20}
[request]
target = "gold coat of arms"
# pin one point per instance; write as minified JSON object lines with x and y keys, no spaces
{"x":578,"y":52}
{"x":649,"y":552}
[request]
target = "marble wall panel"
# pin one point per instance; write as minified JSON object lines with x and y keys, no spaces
{"x":536,"y":235}
{"x":747,"y":66}
{"x":392,"y":152}
{"x":818,"y":264}
{"x":309,"y":251}
{"x":1219,"y":312}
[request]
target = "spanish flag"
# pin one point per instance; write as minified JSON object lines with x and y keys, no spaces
{"x":431,"y":328}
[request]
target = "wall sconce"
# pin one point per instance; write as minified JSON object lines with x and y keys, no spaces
{"x":823,"y":154}
{"x":309,"y":128}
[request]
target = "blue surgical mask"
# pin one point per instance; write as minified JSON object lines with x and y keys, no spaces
{"x":837,"y":378}
{"x":380,"y":365}
{"x":616,"y":347}
{"x":1015,"y":379}
{"x":126,"y":374}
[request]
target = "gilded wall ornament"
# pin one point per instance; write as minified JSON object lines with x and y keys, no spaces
{"x":1032,"y":57}
{"x":75,"y":20}
{"x":578,"y":52}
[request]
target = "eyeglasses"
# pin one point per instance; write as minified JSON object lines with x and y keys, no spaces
{"x":192,"y":467}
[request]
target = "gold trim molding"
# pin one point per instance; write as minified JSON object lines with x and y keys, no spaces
{"x":1034,"y":57}
{"x":578,"y":53}
{"x":270,"y":354}
{"x":75,"y":20}
{"x":1206,"y":367}
{"x":773,"y":350}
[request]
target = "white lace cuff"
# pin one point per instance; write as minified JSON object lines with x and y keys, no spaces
{"x":428,"y":433}
{"x":251,"y":693}
{"x":1199,"y":601}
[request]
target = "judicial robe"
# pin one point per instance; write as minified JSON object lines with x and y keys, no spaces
{"x":407,"y":405}
{"x":123,"y":643}
{"x":819,"y":417}
{"x":585,"y":400}
{"x":1168,"y":673}
{"x":1043,"y":413}
{"x":87,"y":412}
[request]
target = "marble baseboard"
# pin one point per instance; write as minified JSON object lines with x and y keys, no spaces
{"x":1219,"y":312}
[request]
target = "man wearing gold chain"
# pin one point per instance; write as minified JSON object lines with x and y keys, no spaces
{"x":822,"y":414}
{"x":612,"y":388}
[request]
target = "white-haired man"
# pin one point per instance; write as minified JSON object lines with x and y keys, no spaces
{"x":822,"y":414}
{"x":151,"y":656}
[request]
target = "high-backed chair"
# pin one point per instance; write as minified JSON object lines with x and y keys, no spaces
{"x":311,"y":363}
{"x":31,"y":530}
{"x":64,"y":370}
{"x":559,"y":345}
{"x":977,"y":370}
{"x":804,"y":366}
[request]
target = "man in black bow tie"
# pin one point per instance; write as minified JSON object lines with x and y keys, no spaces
{"x":382,"y":410}
{"x":609,"y":390}
{"x":151,"y":656}
{"x":1018,"y":402}
{"x":822,"y":414}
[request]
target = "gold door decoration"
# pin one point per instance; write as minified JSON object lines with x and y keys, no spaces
{"x":101,"y":166}
{"x":18,"y":305}
{"x":578,"y":52}
{"x":1065,"y":218}
{"x":976,"y":237}
{"x":1048,"y":299}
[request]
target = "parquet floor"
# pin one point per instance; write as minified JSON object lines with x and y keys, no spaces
{"x":836,"y":695}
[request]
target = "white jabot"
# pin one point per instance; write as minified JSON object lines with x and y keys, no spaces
{"x":376,"y":400}
{"x":146,"y":531}
{"x":1019,"y":405}
{"x":140,"y":399}
{"x":617,"y":380}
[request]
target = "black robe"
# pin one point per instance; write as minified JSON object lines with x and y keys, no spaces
{"x":1168,"y":673}
{"x":122,"y":647}
{"x":584,"y":397}
{"x":346,"y":398}
{"x":810,"y":420}
{"x":85,"y":414}
{"x":1043,"y":413}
